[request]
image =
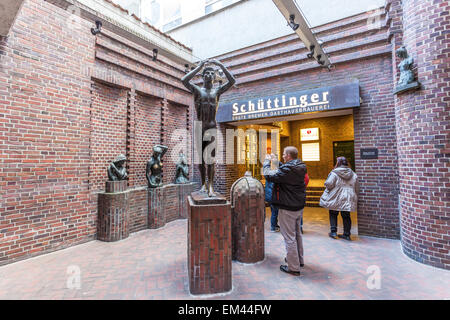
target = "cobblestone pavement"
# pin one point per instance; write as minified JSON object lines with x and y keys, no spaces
{"x":152,"y":264}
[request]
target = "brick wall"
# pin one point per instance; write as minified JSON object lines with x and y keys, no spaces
{"x":44,"y":133}
{"x":174,"y":117}
{"x":70,"y":102}
{"x":148,"y":120}
{"x":423,"y":134}
{"x":109,"y":127}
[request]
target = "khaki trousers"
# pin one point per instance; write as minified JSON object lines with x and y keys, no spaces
{"x":290,"y":229}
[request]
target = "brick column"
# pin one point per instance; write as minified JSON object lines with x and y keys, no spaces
{"x":423,"y":135}
{"x":113,"y":217}
{"x":130,"y":143}
{"x":209,"y":248}
{"x":156,"y":208}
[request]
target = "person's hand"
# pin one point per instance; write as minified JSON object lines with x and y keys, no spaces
{"x":273,"y":157}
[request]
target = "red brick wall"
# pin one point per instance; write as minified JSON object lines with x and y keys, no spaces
{"x":70,"y":102}
{"x":361,"y":53}
{"x":44,"y":133}
{"x":423,"y":135}
{"x":148,"y":122}
{"x":109,"y":127}
{"x":174,"y":117}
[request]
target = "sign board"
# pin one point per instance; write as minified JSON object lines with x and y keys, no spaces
{"x":310,"y":151}
{"x":310,"y":134}
{"x":289,"y":103}
{"x":371,"y":153}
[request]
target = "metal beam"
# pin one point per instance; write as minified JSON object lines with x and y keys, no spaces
{"x":297,"y":21}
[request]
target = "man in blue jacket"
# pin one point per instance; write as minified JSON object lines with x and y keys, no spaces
{"x":289,"y":196}
{"x":274,"y":227}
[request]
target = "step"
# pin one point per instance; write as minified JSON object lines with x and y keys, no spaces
{"x":315,"y":189}
{"x":311,"y":204}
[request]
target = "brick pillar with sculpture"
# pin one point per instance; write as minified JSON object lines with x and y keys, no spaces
{"x":247,"y":216}
{"x":422,"y":108}
{"x":113,"y":216}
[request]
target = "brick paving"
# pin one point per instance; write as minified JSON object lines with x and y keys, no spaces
{"x":152,"y":264}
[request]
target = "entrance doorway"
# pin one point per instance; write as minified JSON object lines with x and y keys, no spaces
{"x":344,"y":149}
{"x":319,"y":140}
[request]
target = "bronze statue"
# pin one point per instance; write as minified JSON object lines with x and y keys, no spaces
{"x":182,"y":170}
{"x":406,"y":81}
{"x":116,"y":170}
{"x":206,"y":102}
{"x":154,"y":167}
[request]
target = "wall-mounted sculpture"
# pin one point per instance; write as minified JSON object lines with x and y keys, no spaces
{"x":182,"y":170}
{"x":154,"y":167}
{"x":406,"y":81}
{"x":116,"y":170}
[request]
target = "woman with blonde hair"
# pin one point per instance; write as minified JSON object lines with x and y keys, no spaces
{"x":341,"y":196}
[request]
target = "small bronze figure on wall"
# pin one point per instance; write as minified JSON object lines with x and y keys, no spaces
{"x":406,"y":81}
{"x":182,"y":170}
{"x":154,"y":167}
{"x":116,"y":170}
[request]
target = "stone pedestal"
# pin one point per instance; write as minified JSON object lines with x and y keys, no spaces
{"x":168,"y":203}
{"x":209,"y":244}
{"x":113,"y":218}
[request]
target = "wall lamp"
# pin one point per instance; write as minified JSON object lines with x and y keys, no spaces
{"x":155,"y":54}
{"x":97,"y":29}
{"x":291,"y":23}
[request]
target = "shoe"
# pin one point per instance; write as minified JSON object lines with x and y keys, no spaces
{"x":344,"y":237}
{"x":333,"y":235}
{"x":277,"y":229}
{"x":301,"y":264}
{"x":285,"y":268}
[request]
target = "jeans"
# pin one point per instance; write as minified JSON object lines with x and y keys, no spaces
{"x":274,"y":217}
{"x":345,"y":218}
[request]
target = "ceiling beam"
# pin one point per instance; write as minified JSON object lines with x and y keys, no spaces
{"x":297,"y":22}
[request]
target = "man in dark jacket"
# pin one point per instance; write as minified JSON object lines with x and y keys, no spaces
{"x":289,"y":196}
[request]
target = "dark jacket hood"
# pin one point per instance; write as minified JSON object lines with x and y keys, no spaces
{"x":344,"y":172}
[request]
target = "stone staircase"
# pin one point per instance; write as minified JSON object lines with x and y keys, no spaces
{"x":313,"y":195}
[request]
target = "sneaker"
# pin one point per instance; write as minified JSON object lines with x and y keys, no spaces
{"x":277,"y":229}
{"x":344,"y":237}
{"x":333,"y":235}
{"x":285,"y":268}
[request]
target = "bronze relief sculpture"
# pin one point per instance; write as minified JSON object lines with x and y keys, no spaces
{"x":116,"y":170}
{"x":206,"y":100}
{"x":182,"y":170}
{"x":154,"y":167}
{"x":406,"y":81}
